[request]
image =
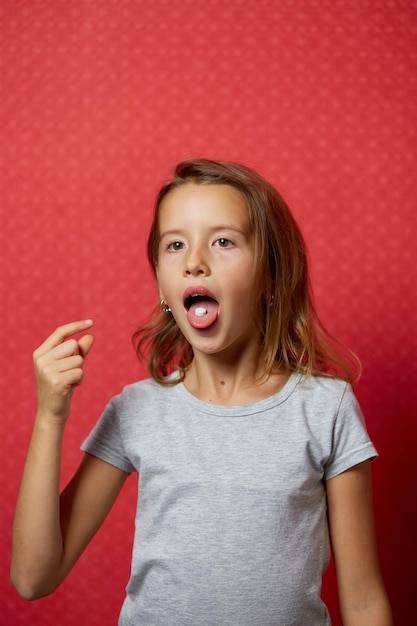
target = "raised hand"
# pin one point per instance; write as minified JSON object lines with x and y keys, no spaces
{"x":58,"y":366}
{"x":50,"y":530}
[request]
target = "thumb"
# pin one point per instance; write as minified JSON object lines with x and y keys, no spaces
{"x":85,"y":344}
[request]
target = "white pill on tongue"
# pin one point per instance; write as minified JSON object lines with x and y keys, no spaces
{"x":203,"y":313}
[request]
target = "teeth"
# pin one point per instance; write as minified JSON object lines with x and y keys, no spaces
{"x":191,"y":299}
{"x":200,"y":311}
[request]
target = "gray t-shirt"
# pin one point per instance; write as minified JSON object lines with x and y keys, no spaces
{"x":231,"y":525}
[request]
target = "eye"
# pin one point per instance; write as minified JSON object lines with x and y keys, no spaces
{"x":223,"y":242}
{"x":175,"y":246}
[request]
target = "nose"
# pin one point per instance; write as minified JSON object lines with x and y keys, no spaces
{"x":196,"y":263}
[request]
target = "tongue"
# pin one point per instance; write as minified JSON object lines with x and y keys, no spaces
{"x":203,"y":313}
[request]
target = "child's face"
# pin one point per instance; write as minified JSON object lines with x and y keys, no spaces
{"x":206,"y":250}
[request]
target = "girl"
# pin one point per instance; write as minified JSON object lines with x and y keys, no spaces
{"x":248,"y":444}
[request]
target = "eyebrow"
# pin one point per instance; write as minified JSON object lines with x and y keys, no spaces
{"x":214,"y":229}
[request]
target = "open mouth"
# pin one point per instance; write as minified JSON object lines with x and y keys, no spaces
{"x":197,"y":301}
{"x":202,"y":309}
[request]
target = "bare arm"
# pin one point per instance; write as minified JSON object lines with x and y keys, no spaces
{"x":49,"y":532}
{"x":363,"y":599}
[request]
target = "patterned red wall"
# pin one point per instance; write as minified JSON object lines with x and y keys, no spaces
{"x":99,"y":99}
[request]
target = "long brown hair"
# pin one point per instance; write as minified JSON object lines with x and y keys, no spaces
{"x":292,"y":337}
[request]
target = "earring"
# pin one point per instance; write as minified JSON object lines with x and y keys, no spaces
{"x":164,"y":306}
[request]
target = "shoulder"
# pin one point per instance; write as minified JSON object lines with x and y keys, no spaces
{"x":325,"y":390}
{"x":328,"y":384}
{"x":144,"y":392}
{"x":146,"y":386}
{"x":327,"y":402}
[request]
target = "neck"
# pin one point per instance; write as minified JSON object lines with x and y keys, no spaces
{"x":213,"y":379}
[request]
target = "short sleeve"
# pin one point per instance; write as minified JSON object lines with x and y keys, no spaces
{"x":105,"y":440}
{"x":351,"y":442}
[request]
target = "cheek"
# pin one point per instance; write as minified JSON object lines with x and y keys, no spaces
{"x":161,"y":270}
{"x":245,"y":279}
{"x":246,"y":294}
{"x":166,"y":283}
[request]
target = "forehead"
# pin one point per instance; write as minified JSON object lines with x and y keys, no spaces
{"x":204,"y":203}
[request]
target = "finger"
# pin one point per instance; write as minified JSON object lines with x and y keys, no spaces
{"x":53,"y":374}
{"x":85,"y":344}
{"x":74,"y":362}
{"x":61,"y":351}
{"x":62,"y":385}
{"x":62,"y":333}
{"x":69,"y":355}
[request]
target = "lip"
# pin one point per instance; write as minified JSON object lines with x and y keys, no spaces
{"x":197,"y":289}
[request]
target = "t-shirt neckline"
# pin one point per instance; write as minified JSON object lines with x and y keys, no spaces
{"x":242,"y":409}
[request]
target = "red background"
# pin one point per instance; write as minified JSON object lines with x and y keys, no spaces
{"x":99,"y":100}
